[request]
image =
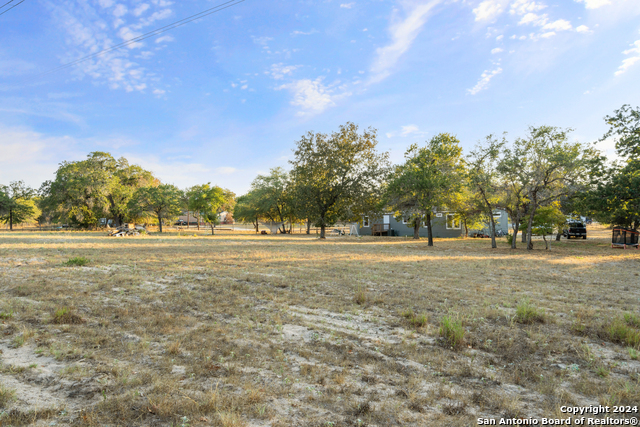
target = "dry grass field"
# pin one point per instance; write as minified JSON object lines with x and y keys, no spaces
{"x":246,"y":330}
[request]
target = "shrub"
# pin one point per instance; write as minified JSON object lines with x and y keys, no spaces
{"x":64,"y":316}
{"x":528,"y":313}
{"x":6,"y":395}
{"x":360,"y":297}
{"x":509,"y":237}
{"x":78,"y":261}
{"x":416,"y":320}
{"x":452,"y":331}
{"x":632,"y":319}
{"x":622,"y":333}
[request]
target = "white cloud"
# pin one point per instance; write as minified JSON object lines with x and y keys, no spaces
{"x":163,"y":39}
{"x":583,"y":29}
{"x":141,"y":9}
{"x":548,"y":34}
{"x":279,"y":71}
{"x":534,"y":19}
{"x":497,"y":50}
{"x":405,"y":131}
{"x":312,"y":96}
{"x":522,"y":7}
{"x":87,"y":31}
{"x":500,"y":37}
{"x":262,"y":41}
{"x":559,"y":25}
{"x":120,"y":10}
{"x":106,"y":3}
{"x":347,"y":5}
{"x":403,"y":33}
{"x":628,"y":62}
{"x":489,"y":10}
{"x":594,"y":4}
{"x":303,"y":33}
{"x":485,"y":78}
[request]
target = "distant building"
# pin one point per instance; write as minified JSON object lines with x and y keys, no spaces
{"x":445,"y":224}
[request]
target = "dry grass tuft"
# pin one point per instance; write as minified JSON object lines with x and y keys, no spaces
{"x":65,"y":316}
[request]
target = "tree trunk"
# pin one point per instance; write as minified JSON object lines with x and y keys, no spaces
{"x":416,"y":229}
{"x":160,"y":223}
{"x":212,"y":227}
{"x":492,"y":227}
{"x":308,"y":225}
{"x":256,"y":224}
{"x":558,"y":235}
{"x":198,"y":222}
{"x":466,"y":229}
{"x":429,"y":230}
{"x":322,"y":227}
{"x":530,"y":226}
{"x":11,"y":219}
{"x":546,"y":244}
{"x":516,"y":227}
{"x":188,"y":218}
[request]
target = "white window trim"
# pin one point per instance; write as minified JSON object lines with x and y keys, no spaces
{"x":446,"y":223}
{"x":365,"y":222}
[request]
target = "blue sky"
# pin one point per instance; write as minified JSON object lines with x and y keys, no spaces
{"x":225,"y":98}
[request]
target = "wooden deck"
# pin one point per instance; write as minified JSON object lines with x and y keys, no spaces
{"x":380,"y":229}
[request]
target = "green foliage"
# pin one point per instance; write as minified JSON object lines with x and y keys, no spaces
{"x":98,"y":187}
{"x":247,"y":209}
{"x":337,"y":176}
{"x":17,"y":204}
{"x":632,"y":319}
{"x":207,"y":202}
{"x":415,"y":320}
{"x":163,"y":201}
{"x":483,"y":178}
{"x":5,"y":315}
{"x":620,"y":332}
{"x":528,"y":313}
{"x":452,"y":331}
{"x":273,"y":196}
{"x":65,"y":315}
{"x":77,"y":262}
{"x":430,"y":178}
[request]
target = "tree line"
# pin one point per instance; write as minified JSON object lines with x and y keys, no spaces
{"x":101,"y":187}
{"x":537,"y":179}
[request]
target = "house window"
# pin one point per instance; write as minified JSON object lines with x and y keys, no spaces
{"x":365,"y":221}
{"x":453,"y":222}
{"x":439,"y":215}
{"x":497,"y":215}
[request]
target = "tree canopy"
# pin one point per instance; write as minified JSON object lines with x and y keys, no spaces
{"x":339,"y":175}
{"x":430,"y":177}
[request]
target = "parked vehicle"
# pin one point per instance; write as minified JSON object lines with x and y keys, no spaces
{"x":575,"y":229}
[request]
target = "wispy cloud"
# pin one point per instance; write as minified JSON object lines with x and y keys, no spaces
{"x":347,"y":5}
{"x":489,"y":10}
{"x":594,"y":4}
{"x":403,"y":33}
{"x":485,"y":78}
{"x":628,"y":62}
{"x":313,"y":96}
{"x":405,"y":131}
{"x":279,"y":71}
{"x":88,"y":31}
